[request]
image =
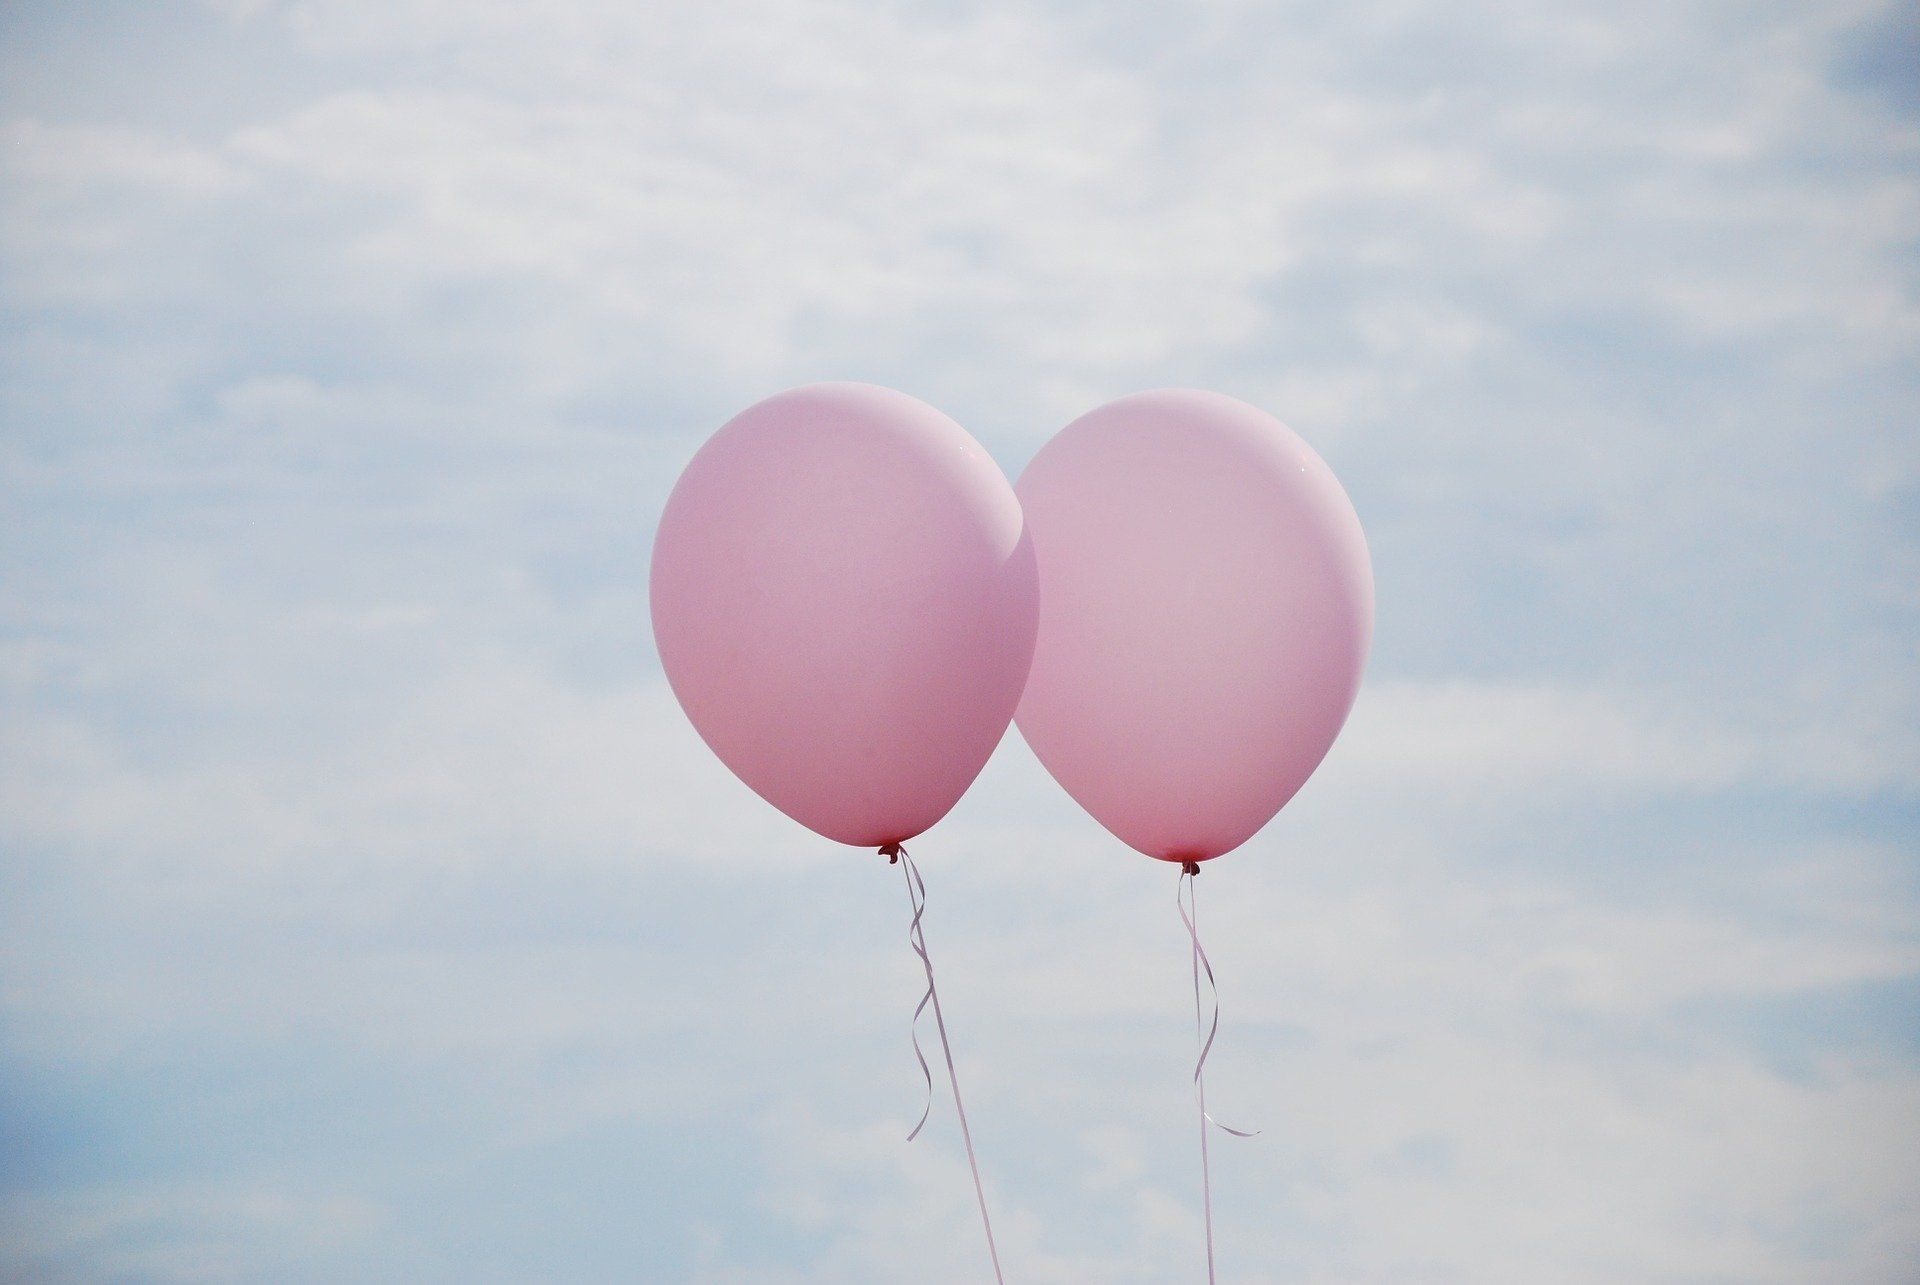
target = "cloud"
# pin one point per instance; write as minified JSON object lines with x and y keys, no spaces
{"x":114,"y":1232}
{"x":1536,"y":744}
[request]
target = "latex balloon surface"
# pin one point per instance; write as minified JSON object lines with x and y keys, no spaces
{"x":844,"y":601}
{"x":1206,"y":605}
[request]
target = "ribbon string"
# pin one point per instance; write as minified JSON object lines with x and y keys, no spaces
{"x":1185,"y":895}
{"x":917,"y":938}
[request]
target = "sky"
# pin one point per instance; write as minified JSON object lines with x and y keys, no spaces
{"x":368,"y":910}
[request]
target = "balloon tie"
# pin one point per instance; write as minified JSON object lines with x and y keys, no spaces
{"x":1185,"y":896}
{"x":917,"y":938}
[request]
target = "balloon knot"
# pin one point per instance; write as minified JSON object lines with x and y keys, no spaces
{"x":891,"y":852}
{"x":1189,"y":867}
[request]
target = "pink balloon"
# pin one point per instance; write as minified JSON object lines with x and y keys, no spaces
{"x":1206,"y":605}
{"x":844,"y":599}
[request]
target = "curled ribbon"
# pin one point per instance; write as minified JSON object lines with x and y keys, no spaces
{"x":1184,"y":895}
{"x":917,"y":938}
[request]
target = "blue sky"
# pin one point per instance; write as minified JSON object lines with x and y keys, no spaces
{"x":369,"y":912}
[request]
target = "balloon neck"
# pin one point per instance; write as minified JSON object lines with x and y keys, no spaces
{"x":1189,"y":867}
{"x":891,"y":852}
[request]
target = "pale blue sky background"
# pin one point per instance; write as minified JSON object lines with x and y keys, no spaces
{"x":368,"y":911}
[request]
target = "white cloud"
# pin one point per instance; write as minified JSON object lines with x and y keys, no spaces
{"x":1535,"y":744}
{"x":488,"y":763}
{"x":225,"y":1230}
